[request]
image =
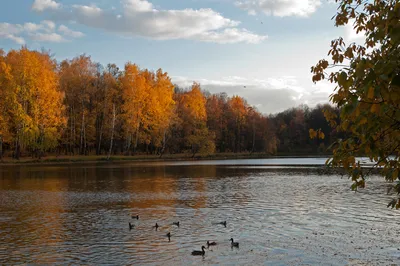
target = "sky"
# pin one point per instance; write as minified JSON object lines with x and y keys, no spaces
{"x":261,"y":50}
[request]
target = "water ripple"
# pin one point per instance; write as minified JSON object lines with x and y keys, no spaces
{"x":80,"y":215}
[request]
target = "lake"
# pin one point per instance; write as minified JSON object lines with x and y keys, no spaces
{"x":280,"y":215}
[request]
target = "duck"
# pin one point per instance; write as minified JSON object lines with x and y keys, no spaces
{"x":211,"y":243}
{"x":135,"y":217}
{"x":223,"y":223}
{"x":176,"y":223}
{"x":156,"y":226}
{"x":234,"y":244}
{"x":169,"y":236}
{"x":131,"y":226}
{"x":198,"y":252}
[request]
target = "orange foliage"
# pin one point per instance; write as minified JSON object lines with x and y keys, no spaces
{"x":80,"y":106}
{"x":33,"y":100}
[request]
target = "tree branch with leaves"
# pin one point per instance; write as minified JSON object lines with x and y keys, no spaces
{"x":367,"y":92}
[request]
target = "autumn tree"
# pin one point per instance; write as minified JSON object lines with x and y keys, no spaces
{"x":135,"y":94}
{"x":192,"y":111}
{"x":163,"y":107}
{"x":108,"y":109}
{"x":33,"y":101}
{"x":260,"y":134}
{"x":78,"y":82}
{"x":4,"y":124}
{"x":79,"y":106}
{"x":367,"y":79}
{"x":238,"y":111}
{"x":217,"y":119}
{"x":148,"y":107}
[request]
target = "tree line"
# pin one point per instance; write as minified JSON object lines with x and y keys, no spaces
{"x":78,"y":106}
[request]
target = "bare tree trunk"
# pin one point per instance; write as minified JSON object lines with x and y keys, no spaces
{"x":254,"y":137}
{"x":84,"y":139}
{"x":71,"y":137}
{"x":102,"y":121}
{"x":112,"y":133}
{"x":100,"y":137}
{"x":163,"y":146}
{"x":136,"y":139}
{"x":82,"y":129}
{"x":74,"y":132}
{"x":193,"y":151}
{"x":1,"y":148}
{"x":128,"y":144}
{"x":16,"y":153}
{"x":41,"y":144}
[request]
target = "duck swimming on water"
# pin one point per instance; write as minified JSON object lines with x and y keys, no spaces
{"x":223,"y":223}
{"x":234,"y":244}
{"x":176,"y":223}
{"x":131,"y":226}
{"x":211,"y":243}
{"x":198,"y":252}
{"x":156,"y":226}
{"x":169,"y":236}
{"x":135,"y":217}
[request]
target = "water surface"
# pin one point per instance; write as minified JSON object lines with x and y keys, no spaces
{"x":79,"y":214}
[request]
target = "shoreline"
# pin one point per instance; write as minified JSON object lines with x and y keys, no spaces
{"x":78,"y":159}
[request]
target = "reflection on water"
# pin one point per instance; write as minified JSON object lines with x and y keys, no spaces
{"x":80,"y":214}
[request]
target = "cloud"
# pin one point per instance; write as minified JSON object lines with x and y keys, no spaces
{"x":49,"y":24}
{"x":269,"y":95}
{"x":45,"y":31}
{"x":70,"y":33}
{"x":231,"y":35}
{"x":41,"y":5}
{"x":142,"y":18}
{"x":16,"y":39}
{"x":30,"y":27}
{"x":47,"y":37}
{"x":89,"y":11}
{"x":280,"y":8}
{"x":351,"y":34}
{"x":11,"y":31}
{"x":7,"y":28}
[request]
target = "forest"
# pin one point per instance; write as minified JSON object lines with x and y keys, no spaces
{"x":79,"y":107}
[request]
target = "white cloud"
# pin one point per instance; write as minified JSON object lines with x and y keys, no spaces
{"x":351,"y":34}
{"x":68,"y":32}
{"x":139,"y":5}
{"x":141,"y":18}
{"x":45,"y":25}
{"x":47,"y":37}
{"x":280,"y":8}
{"x":30,"y":27}
{"x":269,"y":95}
{"x":11,"y":31}
{"x":231,"y":35}
{"x":18,"y":40}
{"x":50,"y":25}
{"x":89,"y":11}
{"x":43,"y":32}
{"x":7,"y":28}
{"x":41,"y":5}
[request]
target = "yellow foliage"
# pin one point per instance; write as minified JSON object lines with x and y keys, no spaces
{"x":33,"y":99}
{"x":312,"y":133}
{"x":148,"y":103}
{"x":371,"y":92}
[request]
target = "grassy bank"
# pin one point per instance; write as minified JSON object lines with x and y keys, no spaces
{"x":139,"y":157}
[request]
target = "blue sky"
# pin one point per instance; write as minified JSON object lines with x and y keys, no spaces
{"x":259,"y":49}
